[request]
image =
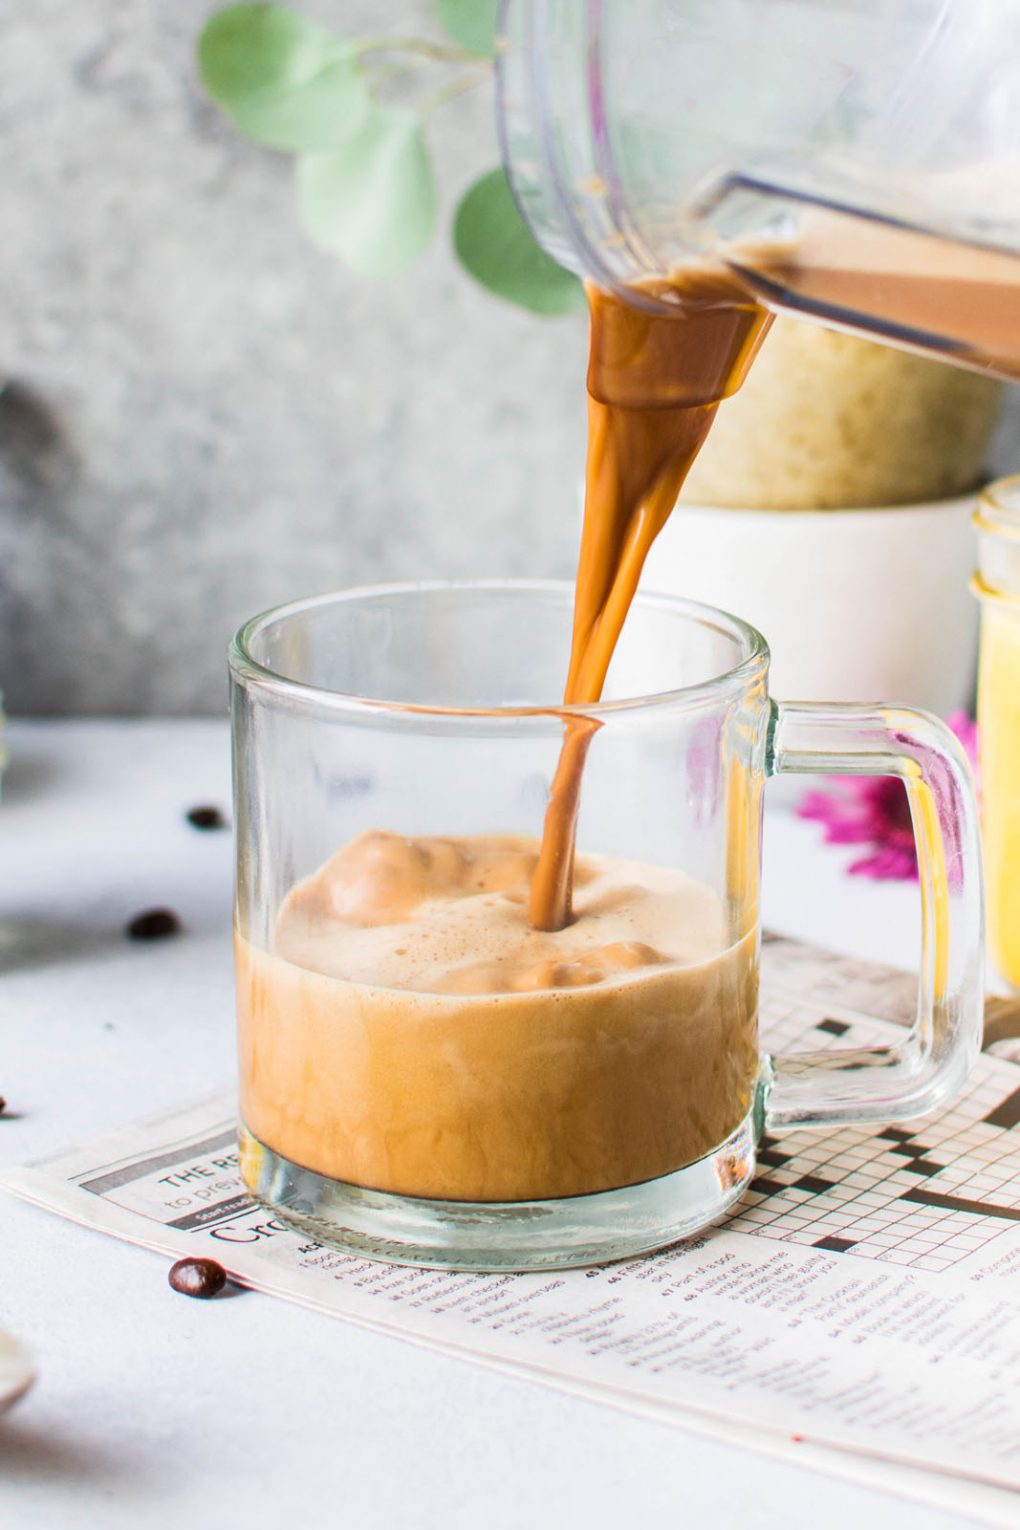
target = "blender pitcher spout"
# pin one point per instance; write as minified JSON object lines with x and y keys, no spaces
{"x":855,"y":164}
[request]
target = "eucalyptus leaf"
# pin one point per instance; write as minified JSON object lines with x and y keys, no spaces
{"x":495,"y":245}
{"x":372,"y":201}
{"x":283,"y":80}
{"x":472,"y":23}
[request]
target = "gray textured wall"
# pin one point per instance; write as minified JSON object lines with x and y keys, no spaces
{"x":203,"y":414}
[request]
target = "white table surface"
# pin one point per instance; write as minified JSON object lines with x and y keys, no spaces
{"x":153,"y":1410}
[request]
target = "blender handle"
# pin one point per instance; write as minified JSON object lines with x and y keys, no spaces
{"x":925,"y":1069}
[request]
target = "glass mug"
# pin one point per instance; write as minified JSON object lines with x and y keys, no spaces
{"x":604,"y":1097}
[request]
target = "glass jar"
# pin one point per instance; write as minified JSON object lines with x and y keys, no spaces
{"x":997,"y":582}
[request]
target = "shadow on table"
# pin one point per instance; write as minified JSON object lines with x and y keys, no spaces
{"x":28,"y":942}
{"x":27,"y":774}
{"x":29,"y":1451}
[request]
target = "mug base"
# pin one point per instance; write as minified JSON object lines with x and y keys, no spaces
{"x":499,"y":1236}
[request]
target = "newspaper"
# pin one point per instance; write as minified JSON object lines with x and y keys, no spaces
{"x":861,"y":1299}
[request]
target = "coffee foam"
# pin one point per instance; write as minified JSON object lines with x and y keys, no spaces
{"x":448,"y":914}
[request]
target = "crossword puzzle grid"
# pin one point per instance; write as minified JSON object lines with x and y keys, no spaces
{"x":926,"y":1194}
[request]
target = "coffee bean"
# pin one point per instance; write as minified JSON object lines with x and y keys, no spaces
{"x":154,"y":924}
{"x":206,"y":818}
{"x":197,"y":1277}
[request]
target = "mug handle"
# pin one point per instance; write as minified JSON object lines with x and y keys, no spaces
{"x":928,"y":1067}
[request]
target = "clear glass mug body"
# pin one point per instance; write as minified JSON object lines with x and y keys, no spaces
{"x":998,"y":585}
{"x":557,"y":1126}
{"x":806,"y":143}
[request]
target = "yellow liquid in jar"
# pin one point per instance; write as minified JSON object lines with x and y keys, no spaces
{"x":999,"y":719}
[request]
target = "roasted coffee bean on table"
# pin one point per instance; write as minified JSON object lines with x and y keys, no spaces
{"x":197,"y":1277}
{"x":206,"y":818}
{"x":153,"y":924}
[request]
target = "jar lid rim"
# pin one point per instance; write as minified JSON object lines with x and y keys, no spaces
{"x":999,"y":506}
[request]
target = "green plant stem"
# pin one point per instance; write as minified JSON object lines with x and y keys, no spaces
{"x":456,"y":87}
{"x":422,"y":46}
{"x":381,"y":74}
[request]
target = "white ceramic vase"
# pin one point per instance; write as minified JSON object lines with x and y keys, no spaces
{"x":856,"y":605}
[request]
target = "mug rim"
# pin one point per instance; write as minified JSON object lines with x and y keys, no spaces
{"x":251,"y":673}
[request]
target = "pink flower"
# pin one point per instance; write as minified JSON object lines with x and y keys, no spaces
{"x":873,"y":811}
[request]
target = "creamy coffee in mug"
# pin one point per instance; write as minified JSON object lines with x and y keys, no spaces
{"x":410,"y":1032}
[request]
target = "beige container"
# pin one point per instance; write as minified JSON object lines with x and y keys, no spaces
{"x":825,"y":421}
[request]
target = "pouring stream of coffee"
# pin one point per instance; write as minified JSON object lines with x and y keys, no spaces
{"x":656,"y":376}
